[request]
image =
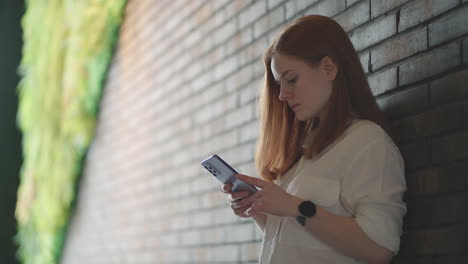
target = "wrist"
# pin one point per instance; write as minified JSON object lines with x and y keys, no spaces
{"x":306,"y":210}
{"x":294,"y":206}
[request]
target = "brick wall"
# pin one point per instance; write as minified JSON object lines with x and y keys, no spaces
{"x":183,"y":85}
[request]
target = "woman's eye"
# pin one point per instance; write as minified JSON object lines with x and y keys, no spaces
{"x":292,"y":81}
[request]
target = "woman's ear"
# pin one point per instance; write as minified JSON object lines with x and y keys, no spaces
{"x":329,"y":67}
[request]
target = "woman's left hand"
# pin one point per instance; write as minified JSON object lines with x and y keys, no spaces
{"x":271,"y":199}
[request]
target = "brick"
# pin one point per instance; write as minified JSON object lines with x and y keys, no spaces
{"x":239,"y":116}
{"x":354,"y":16}
{"x":382,"y":82}
{"x":449,"y":87}
{"x":225,"y":31}
{"x":446,"y":118}
{"x":450,"y":26}
{"x":412,"y":127}
{"x":438,"y":180}
{"x":249,"y":131}
{"x":172,"y":255}
{"x":258,"y":233}
{"x":213,"y":235}
{"x":417,"y":154}
{"x":299,"y":5}
{"x":349,"y":3}
{"x":192,"y":237}
{"x":259,"y":70}
{"x":406,"y":102}
{"x":399,"y":47}
{"x":440,"y":120}
{"x":437,"y":260}
{"x":253,"y":51}
{"x":450,"y":148}
{"x":250,"y":251}
{"x":205,"y":11}
{"x":271,"y":20}
{"x":242,"y":153}
{"x":230,"y":10}
{"x":439,"y":210}
{"x":239,"y":79}
{"x":226,"y":67}
{"x":273,"y":3}
{"x":430,"y":64}
{"x":240,"y":39}
{"x":364,"y":58}
{"x":224,"y":253}
{"x":220,"y":142}
{"x":224,"y":215}
{"x":420,"y":11}
{"x":249,"y":93}
{"x":374,"y":32}
{"x":215,"y":109}
{"x":220,"y":4}
{"x":289,"y":11}
{"x":212,"y":199}
{"x":198,"y":255}
{"x":273,"y":34}
{"x":379,"y":7}
{"x":437,"y":240}
{"x":252,"y":13}
{"x":465,"y":51}
{"x":327,"y":8}
{"x":465,"y":116}
{"x":202,"y":184}
{"x":239,"y":232}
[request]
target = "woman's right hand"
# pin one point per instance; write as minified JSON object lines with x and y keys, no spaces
{"x":235,"y":199}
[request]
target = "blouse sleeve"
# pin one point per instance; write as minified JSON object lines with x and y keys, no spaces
{"x":373,"y":191}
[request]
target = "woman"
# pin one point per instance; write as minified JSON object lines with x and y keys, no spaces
{"x":333,"y":179}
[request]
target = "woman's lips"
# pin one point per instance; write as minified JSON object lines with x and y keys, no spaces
{"x":294,"y":107}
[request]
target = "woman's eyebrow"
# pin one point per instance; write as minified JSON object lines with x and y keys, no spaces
{"x":282,"y":74}
{"x":286,"y":71}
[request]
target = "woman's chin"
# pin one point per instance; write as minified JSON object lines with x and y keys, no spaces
{"x":301,"y":118}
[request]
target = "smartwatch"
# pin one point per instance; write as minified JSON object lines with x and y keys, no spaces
{"x":306,"y":209}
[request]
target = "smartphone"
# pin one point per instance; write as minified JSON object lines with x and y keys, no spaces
{"x":225,"y":173}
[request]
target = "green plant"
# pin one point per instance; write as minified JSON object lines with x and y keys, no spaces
{"x":68,"y":46}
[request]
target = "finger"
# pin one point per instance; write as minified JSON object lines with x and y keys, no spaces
{"x":247,"y":201}
{"x":236,"y":196}
{"x":226,"y":188}
{"x":252,"y":180}
{"x":240,"y":195}
{"x":241,"y":211}
{"x":256,"y":208}
{"x":235,"y":206}
{"x":241,"y":203}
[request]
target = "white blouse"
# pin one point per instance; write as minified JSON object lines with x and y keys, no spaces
{"x":360,"y":175}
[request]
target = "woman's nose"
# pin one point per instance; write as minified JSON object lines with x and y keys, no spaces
{"x":284,"y":94}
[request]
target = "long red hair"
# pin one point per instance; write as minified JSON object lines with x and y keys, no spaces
{"x":311,"y":38}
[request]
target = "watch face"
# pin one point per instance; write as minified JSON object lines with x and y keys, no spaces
{"x":307,"y":208}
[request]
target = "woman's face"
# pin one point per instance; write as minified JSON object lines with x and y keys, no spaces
{"x":306,"y":89}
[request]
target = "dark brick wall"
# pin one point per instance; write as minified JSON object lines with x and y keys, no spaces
{"x":183,"y":85}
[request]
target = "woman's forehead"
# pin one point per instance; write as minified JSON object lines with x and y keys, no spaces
{"x":281,"y":63}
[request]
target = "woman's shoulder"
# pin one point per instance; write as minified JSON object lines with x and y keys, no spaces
{"x":364,"y":132}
